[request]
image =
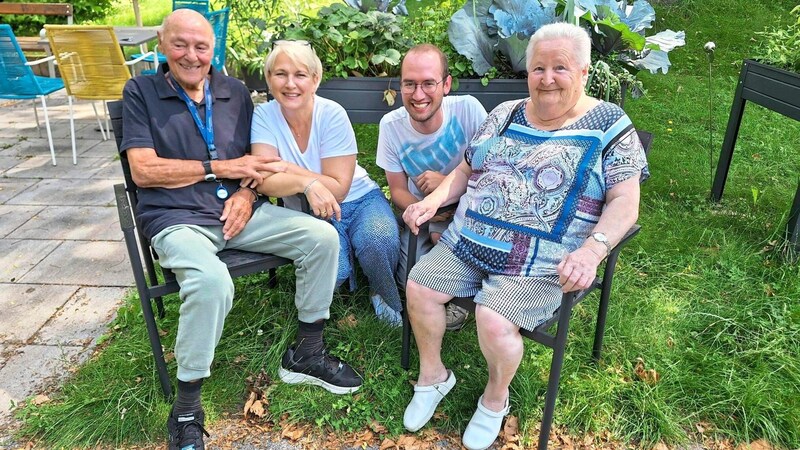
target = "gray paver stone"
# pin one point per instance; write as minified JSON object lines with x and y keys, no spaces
{"x":26,"y":307}
{"x":10,"y":188}
{"x":17,"y":257}
{"x":7,"y":162}
{"x":83,"y":318}
{"x":99,"y":223}
{"x":41,"y":166}
{"x":32,"y":369}
{"x":12,"y":216}
{"x":67,"y":192}
{"x":96,"y":263}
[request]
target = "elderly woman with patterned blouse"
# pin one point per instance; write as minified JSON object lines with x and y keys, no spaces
{"x":550,"y":184}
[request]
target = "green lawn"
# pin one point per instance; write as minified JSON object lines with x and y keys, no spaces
{"x":706,"y":296}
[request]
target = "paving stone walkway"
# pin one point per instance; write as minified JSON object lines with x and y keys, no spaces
{"x":63,"y":265}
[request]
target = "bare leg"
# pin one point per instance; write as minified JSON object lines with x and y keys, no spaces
{"x":501,"y":345}
{"x":427,"y":315}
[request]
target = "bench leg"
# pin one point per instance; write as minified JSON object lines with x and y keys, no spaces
{"x":155,"y":344}
{"x":605,"y":295}
{"x":793,"y":227}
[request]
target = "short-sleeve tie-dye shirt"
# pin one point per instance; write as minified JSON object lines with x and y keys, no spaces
{"x":534,"y":195}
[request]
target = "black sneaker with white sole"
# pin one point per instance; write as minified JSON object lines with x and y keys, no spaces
{"x":186,"y":430}
{"x":321,"y":370}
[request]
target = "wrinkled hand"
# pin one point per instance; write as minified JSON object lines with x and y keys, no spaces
{"x":418,"y":213}
{"x":237,"y":211}
{"x":577,"y":270}
{"x":249,"y":167}
{"x":428,"y":181}
{"x":322,"y":202}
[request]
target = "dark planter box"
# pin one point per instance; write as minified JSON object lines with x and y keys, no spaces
{"x":364,"y":102}
{"x":362,"y":97}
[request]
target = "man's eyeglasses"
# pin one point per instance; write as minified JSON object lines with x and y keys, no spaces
{"x":428,"y":86}
{"x":280,"y":42}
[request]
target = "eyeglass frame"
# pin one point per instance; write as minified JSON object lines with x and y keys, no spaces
{"x":405,"y":84}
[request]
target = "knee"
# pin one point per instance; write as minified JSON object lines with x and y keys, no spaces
{"x":209,"y":287}
{"x":415,"y":295}
{"x":326,"y":238}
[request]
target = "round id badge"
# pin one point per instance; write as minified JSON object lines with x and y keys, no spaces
{"x":222,"y":193}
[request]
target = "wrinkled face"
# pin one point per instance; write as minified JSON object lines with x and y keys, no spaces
{"x":555,"y":81}
{"x":188,"y":45}
{"x":291,"y":84}
{"x":420,"y":68}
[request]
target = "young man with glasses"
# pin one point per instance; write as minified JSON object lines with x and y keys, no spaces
{"x":418,"y":145}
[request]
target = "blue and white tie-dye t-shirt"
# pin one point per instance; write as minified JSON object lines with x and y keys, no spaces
{"x":534,"y":195}
{"x":401,"y":148}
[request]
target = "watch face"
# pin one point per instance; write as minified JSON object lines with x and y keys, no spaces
{"x":211,"y":177}
{"x":599,"y":237}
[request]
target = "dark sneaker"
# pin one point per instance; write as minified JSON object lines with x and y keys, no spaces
{"x":456,"y":316}
{"x":322,"y":370}
{"x":186,"y":431}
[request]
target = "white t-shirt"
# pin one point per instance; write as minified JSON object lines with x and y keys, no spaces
{"x":331,"y":135}
{"x":401,"y":148}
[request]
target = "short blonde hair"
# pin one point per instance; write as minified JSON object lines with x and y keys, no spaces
{"x":299,"y":52}
{"x":581,"y":42}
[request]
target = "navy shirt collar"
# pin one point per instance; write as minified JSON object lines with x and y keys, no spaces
{"x":219,"y":89}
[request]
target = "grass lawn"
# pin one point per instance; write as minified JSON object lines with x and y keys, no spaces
{"x":706,"y":296}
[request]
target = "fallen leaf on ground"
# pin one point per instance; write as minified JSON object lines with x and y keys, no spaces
{"x":760,"y":444}
{"x":40,"y":399}
{"x":292,"y":433}
{"x":387,"y":444}
{"x":649,"y":376}
{"x":377,"y":427}
{"x":347,"y":322}
{"x":660,"y":446}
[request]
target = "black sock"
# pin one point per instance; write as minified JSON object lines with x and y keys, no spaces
{"x":309,"y":339}
{"x":188,"y":399}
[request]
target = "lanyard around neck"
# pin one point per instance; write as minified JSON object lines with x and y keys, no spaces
{"x":207,"y":130}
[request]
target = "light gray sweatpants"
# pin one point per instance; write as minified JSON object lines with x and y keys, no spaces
{"x":206,"y":293}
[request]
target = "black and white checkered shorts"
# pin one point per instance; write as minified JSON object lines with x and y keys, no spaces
{"x":525,"y":301}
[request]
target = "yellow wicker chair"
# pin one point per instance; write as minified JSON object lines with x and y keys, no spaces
{"x":92,"y":65}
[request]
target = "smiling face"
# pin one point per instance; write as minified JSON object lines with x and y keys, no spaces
{"x":555,"y":80}
{"x":292,"y":84}
{"x":424,"y":108}
{"x":187,"y":41}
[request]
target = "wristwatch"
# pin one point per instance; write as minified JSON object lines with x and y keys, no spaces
{"x":209,"y":173}
{"x":601,"y":238}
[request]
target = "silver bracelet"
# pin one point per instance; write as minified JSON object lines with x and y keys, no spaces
{"x":305,"y":191}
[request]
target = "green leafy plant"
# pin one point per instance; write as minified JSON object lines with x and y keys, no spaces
{"x":781,"y":46}
{"x":253,"y":23}
{"x":429,"y":25}
{"x":351,"y":42}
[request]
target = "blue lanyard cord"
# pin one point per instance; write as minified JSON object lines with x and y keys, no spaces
{"x":207,"y":131}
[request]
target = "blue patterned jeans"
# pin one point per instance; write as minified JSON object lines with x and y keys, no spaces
{"x":368,"y":230}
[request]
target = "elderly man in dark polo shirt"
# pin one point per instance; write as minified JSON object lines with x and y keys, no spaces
{"x":187,"y":137}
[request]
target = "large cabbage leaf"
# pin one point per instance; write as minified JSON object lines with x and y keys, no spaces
{"x":522,"y":17}
{"x":514,"y":48}
{"x":612,"y":35}
{"x":469,"y":35}
{"x":653,"y":60}
{"x":667,"y":40}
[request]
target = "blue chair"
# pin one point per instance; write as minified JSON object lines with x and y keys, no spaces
{"x":17,"y":81}
{"x":200,"y":6}
{"x":219,"y":22}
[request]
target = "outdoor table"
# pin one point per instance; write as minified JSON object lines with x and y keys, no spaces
{"x":126,"y":36}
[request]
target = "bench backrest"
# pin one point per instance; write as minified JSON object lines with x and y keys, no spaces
{"x":44,"y":9}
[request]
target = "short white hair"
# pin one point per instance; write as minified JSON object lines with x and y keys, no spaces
{"x":581,"y":42}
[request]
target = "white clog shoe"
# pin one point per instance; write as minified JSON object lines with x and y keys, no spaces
{"x":420,"y":410}
{"x":484,"y":427}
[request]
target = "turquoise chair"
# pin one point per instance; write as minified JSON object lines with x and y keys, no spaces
{"x":219,"y":22}
{"x":200,"y":6}
{"x":17,"y":81}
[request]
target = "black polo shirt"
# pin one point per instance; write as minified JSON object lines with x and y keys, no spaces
{"x":154,"y":116}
